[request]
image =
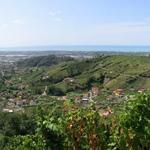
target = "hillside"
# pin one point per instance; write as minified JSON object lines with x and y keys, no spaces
{"x":46,"y":106}
{"x":39,"y":61}
{"x":109,"y":72}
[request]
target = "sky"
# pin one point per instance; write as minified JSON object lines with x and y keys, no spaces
{"x":74,"y":22}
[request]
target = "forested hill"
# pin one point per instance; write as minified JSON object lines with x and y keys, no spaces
{"x":42,"y":61}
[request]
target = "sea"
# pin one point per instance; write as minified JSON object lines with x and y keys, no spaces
{"x":90,"y":48}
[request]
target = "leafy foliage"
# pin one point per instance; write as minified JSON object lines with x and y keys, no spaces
{"x":28,"y":142}
{"x":70,"y":127}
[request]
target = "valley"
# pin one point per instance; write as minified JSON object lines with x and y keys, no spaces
{"x":70,"y":97}
{"x":39,"y":80}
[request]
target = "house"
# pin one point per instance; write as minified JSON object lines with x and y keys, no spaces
{"x":85,"y":99}
{"x":106,"y":113}
{"x":11,"y":104}
{"x":86,"y":95}
{"x":90,"y":94}
{"x":32,"y":103}
{"x":19,"y":103}
{"x":106,"y":80}
{"x":69,"y":80}
{"x":141,"y":90}
{"x":8,"y":82}
{"x":118,"y":92}
{"x":25,"y":102}
{"x":110,"y":98}
{"x":45,"y":77}
{"x":64,"y":98}
{"x":18,"y":109}
{"x":95,"y":91}
{"x":78,"y":99}
{"x":45,"y":91}
{"x":20,"y":94}
{"x":11,"y":100}
{"x":132,"y":90}
{"x":8,"y":110}
{"x":22,"y":87}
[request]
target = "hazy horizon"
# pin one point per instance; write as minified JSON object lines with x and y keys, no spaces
{"x":109,"y":48}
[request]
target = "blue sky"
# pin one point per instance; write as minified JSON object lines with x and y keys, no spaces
{"x":74,"y":22}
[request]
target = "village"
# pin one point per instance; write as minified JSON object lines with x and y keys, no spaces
{"x":19,"y":100}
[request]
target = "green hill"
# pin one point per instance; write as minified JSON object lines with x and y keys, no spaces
{"x":42,"y":61}
{"x":109,"y":72}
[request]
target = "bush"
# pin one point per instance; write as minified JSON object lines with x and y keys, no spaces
{"x":28,"y":142}
{"x":52,"y":90}
{"x":133,"y":128}
{"x":72,"y":127}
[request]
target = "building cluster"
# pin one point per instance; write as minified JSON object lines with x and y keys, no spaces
{"x":119,"y":93}
{"x":19,"y":100}
{"x":94,"y":92}
{"x":90,"y":95}
{"x":85,"y":97}
{"x":16,"y":104}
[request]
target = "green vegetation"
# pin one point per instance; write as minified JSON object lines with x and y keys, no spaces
{"x":43,"y":105}
{"x":109,"y":72}
{"x":42,"y":61}
{"x":70,"y":127}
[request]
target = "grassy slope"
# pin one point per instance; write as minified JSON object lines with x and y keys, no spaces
{"x":120,"y":71}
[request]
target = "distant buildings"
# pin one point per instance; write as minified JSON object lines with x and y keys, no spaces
{"x":86,"y":97}
{"x":15,"y":104}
